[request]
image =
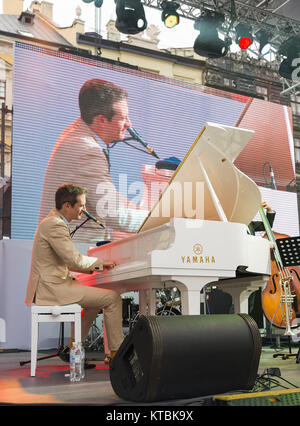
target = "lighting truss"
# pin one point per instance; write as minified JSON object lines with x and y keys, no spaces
{"x":288,"y":87}
{"x":258,"y":13}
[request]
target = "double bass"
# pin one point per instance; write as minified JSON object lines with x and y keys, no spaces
{"x":281,"y":296}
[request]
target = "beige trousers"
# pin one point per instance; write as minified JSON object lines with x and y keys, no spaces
{"x":95,"y":299}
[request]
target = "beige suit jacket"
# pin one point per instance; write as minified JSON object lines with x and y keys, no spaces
{"x":53,"y":257}
{"x":79,"y":159}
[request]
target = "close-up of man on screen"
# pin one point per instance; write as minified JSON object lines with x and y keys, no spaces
{"x":81,"y":156}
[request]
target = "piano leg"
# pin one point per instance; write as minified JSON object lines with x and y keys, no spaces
{"x":147,"y":301}
{"x":240,"y":290}
{"x":240,"y":299}
{"x":152,"y":305}
{"x":143,"y":301}
{"x":190,"y":288}
{"x":190,"y":302}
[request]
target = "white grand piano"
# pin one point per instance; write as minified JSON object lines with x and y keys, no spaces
{"x":196,"y":232}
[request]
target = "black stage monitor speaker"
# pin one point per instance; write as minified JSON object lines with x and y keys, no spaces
{"x":165,"y":358}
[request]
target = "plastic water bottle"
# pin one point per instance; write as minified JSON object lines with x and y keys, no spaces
{"x":76,"y":362}
{"x":82,"y":359}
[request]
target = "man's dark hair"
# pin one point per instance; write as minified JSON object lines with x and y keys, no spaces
{"x":97,"y":97}
{"x":68,"y":193}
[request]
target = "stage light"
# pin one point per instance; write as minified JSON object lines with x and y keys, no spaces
{"x":98,"y":3}
{"x":244,"y":37}
{"x":131,"y":17}
{"x":290,"y":48}
{"x":286,"y":69}
{"x":208,"y":43}
{"x":169,"y":14}
{"x":263,"y":38}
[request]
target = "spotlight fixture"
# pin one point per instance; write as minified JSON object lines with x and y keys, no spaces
{"x":208,"y":43}
{"x":263,"y":38}
{"x":290,"y":48}
{"x":244,"y":37}
{"x":98,"y":3}
{"x":131,"y":17}
{"x":169,"y":14}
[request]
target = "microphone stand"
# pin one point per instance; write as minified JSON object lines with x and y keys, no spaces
{"x":62,"y":325}
{"x":271,"y":184}
{"x":79,"y":226}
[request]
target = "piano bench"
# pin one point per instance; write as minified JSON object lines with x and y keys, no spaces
{"x":63,"y":313}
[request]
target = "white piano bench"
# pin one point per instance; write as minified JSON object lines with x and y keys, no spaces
{"x":63,"y":313}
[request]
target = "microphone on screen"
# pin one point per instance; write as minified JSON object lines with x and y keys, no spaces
{"x":90,"y":216}
{"x":272,"y":177}
{"x":136,"y":136}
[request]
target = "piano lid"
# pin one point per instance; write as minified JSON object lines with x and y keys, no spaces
{"x":206,"y":184}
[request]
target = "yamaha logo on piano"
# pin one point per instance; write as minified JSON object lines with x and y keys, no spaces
{"x":198,"y":250}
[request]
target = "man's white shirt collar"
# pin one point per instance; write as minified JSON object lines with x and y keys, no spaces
{"x":63,"y":217}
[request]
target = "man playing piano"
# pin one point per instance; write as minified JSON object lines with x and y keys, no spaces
{"x":54,"y":256}
{"x":81,"y":154}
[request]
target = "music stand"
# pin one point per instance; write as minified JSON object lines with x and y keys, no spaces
{"x":289,"y":249}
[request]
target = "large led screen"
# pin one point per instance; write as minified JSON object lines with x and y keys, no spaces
{"x":77,"y":120}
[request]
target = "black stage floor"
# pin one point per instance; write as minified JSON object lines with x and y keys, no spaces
{"x":51,"y":385}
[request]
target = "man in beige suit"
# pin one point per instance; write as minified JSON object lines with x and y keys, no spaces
{"x":54,"y":256}
{"x":81,"y":155}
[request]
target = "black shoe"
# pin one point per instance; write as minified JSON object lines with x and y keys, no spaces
{"x":64,"y":355}
{"x":88,"y":365}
